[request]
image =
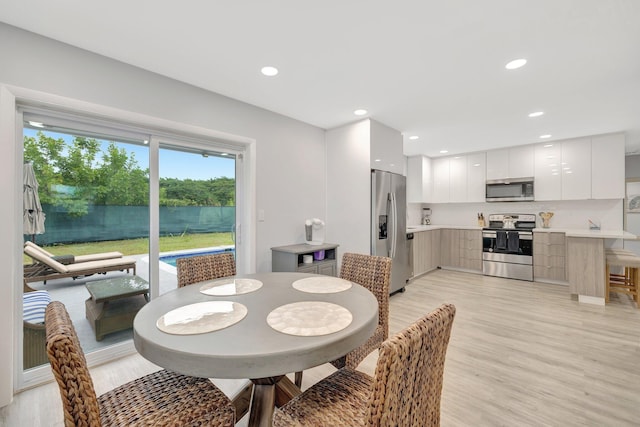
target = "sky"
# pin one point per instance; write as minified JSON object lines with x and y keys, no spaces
{"x":173,"y":164}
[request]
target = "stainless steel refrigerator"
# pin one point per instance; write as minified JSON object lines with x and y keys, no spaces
{"x":389,"y":224}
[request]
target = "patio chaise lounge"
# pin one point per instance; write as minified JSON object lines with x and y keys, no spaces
{"x":71,"y":259}
{"x":46,"y":268}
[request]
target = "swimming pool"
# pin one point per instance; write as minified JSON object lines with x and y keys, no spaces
{"x":171,"y":258}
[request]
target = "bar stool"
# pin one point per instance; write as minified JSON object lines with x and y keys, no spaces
{"x":628,"y":282}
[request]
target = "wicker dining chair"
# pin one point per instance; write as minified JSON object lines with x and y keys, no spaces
{"x":161,"y":398}
{"x":374,"y":273}
{"x":405,"y":390}
{"x":205,"y":267}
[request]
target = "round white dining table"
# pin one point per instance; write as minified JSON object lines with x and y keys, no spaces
{"x":251,"y":348}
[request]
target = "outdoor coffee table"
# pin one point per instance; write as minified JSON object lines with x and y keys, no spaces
{"x":114,"y":303}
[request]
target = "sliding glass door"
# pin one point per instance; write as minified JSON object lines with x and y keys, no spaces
{"x":196,"y":205}
{"x":118,"y":192}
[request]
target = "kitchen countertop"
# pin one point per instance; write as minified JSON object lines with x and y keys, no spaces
{"x":584,"y":232}
{"x":570,"y":232}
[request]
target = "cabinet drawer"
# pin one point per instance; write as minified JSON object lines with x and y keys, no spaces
{"x":308,"y":269}
{"x":549,"y":261}
{"x":549,"y":273}
{"x":549,"y":250}
{"x":549,"y":238}
{"x":328,"y":269}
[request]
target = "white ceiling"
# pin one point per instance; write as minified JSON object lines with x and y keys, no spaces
{"x":429,"y":68}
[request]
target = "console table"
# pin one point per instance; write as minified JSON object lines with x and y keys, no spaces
{"x":290,"y":259}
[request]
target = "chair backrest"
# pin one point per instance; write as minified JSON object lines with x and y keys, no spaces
{"x":43,"y":258}
{"x":38,"y":248}
{"x":205,"y":267}
{"x":70,"y":369}
{"x":374,"y":273}
{"x":408,"y":379}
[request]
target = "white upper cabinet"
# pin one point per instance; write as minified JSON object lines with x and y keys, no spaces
{"x":548,"y":176}
{"x":580,"y":169}
{"x":516,"y":162}
{"x":458,"y":179}
{"x":576,"y":169}
{"x":419,"y":179}
{"x":607,"y":167}
{"x":386,"y":148}
{"x":498,"y":164}
{"x":521,"y":162}
{"x":476,"y":177}
{"x":572,"y":169}
{"x":441,"y":180}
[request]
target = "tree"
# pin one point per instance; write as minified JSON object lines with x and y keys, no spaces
{"x":74,"y":174}
{"x":64,"y":171}
{"x":120,"y":181}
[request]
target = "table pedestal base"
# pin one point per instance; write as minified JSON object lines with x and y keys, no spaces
{"x":267,"y":393}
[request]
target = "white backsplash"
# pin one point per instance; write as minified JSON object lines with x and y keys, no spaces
{"x":567,"y":213}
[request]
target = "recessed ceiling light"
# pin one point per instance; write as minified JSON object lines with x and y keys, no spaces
{"x":145,"y":142}
{"x":269,"y":71}
{"x":37,"y":124}
{"x":536,"y":114}
{"x":548,"y":145}
{"x":360,"y":112}
{"x":547,"y":136}
{"x":224,"y":154}
{"x":414,"y":137}
{"x":476,"y":164}
{"x":376,"y":160}
{"x":516,"y":63}
{"x":444,"y":151}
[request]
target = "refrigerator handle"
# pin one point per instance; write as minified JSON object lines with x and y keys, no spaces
{"x":393,"y":229}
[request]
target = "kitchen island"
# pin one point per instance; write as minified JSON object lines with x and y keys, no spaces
{"x":586,"y":261}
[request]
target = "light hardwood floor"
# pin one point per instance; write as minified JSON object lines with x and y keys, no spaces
{"x":521,"y":354}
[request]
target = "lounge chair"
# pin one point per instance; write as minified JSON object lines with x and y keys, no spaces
{"x":46,"y":268}
{"x":71,"y":259}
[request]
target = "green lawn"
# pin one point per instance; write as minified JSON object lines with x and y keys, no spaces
{"x":141,"y":246}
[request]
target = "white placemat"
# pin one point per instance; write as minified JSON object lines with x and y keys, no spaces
{"x":309,"y":318}
{"x":230,"y":286}
{"x":201,"y":317}
{"x":322,"y":285}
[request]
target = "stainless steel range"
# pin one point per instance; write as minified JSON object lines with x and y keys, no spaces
{"x":507,"y":246}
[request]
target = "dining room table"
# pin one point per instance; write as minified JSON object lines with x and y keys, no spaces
{"x":258,"y":326}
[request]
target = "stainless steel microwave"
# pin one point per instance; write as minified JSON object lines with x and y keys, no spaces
{"x":510,"y":190}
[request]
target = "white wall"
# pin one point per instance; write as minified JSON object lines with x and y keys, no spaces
{"x":349,"y":187}
{"x":290,"y":165}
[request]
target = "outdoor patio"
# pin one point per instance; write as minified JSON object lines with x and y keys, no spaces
{"x":73,"y":294}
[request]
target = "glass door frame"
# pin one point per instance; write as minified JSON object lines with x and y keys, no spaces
{"x":157,"y":143}
{"x":15,"y":99}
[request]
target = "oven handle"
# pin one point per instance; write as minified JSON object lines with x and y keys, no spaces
{"x":523,"y":235}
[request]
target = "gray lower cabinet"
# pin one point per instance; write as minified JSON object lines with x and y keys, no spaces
{"x":470,"y":249}
{"x":461,"y":249}
{"x":426,"y":251}
{"x":549,"y":256}
{"x":291,"y":258}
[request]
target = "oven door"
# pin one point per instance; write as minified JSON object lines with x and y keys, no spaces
{"x":507,"y":254}
{"x":507,"y":242}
